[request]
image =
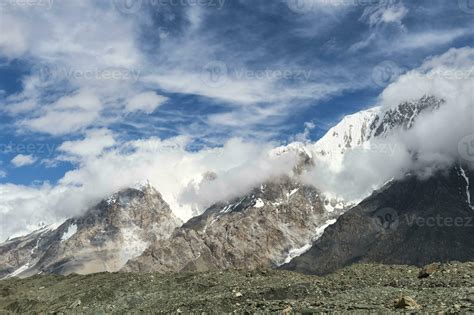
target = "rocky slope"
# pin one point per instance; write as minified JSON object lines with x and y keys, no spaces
{"x":412,"y":221}
{"x":360,"y":288}
{"x":266,"y":227}
{"x":103,"y":239}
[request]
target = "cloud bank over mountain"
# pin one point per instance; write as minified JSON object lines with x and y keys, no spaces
{"x":437,"y":140}
{"x":191,"y":180}
{"x":96,"y":96}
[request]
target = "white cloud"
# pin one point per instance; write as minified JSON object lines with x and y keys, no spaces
{"x":23,"y":208}
{"x":68,"y":114}
{"x":435,"y":136}
{"x":98,"y":35}
{"x":318,"y":6}
{"x":12,"y":43}
{"x":174,"y":171}
{"x":447,"y":76}
{"x":389,"y":34}
{"x":239,"y":165}
{"x":3,"y":174}
{"x":23,"y":160}
{"x":70,"y":52}
{"x":430,"y":38}
{"x":394,"y":14}
{"x":76,"y":48}
{"x":385,"y":13}
{"x":304,"y":137}
{"x":146,"y":102}
{"x":81,"y":46}
{"x":93,"y":144}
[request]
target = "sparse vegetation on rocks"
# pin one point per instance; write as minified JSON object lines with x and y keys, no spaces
{"x":357,"y":288}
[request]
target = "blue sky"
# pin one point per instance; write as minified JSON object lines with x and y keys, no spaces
{"x":206,"y":70}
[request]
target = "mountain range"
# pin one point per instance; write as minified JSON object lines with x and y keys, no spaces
{"x":282,"y":223}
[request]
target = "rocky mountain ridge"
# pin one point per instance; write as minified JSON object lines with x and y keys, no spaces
{"x":267,"y":227}
{"x":412,"y":221}
{"x":116,"y":230}
{"x":135,"y":230}
{"x":359,"y":129}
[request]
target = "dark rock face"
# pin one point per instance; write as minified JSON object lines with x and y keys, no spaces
{"x":103,"y":239}
{"x":267,"y":227}
{"x":403,"y":116}
{"x":411,"y":221}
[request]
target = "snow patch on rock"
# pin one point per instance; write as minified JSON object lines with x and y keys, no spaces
{"x":133,"y":245}
{"x":72,"y":229}
{"x":18,"y":272}
{"x":468,"y":193}
{"x":259,"y":203}
{"x":295,"y":252}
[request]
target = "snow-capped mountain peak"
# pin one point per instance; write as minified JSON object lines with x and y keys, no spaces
{"x":351,"y":132}
{"x":360,"y":128}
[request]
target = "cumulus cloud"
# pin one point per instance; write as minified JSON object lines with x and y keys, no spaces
{"x":233,"y":182}
{"x":12,"y":43}
{"x":175,"y":171}
{"x":80,"y":63}
{"x":106,"y":165}
{"x":71,"y":92}
{"x":93,"y":144}
{"x":65,"y":60}
{"x":431,"y":144}
{"x":305,"y":135}
{"x":23,"y":160}
{"x":68,"y":114}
